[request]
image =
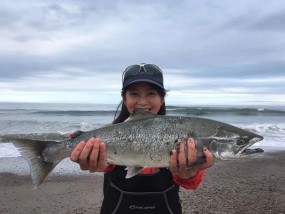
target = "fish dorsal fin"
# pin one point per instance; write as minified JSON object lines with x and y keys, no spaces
{"x":140,"y":114}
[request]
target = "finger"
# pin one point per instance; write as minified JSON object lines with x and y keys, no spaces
{"x":192,"y":154}
{"x":85,"y":154}
{"x":209,"y":161}
{"x":102,"y":160}
{"x":93,"y":158}
{"x":210,"y":158}
{"x":74,"y":156}
{"x":182,"y":157}
{"x":71,"y":134}
{"x":173,"y":162}
{"x":75,"y":134}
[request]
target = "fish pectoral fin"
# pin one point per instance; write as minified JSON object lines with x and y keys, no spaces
{"x":132,"y":171}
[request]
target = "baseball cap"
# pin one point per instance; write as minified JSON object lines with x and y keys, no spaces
{"x":143,"y":72}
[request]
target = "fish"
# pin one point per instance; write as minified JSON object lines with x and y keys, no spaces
{"x":143,"y":140}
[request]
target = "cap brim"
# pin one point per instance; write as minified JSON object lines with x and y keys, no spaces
{"x":144,"y":80}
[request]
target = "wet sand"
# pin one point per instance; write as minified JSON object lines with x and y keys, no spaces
{"x":252,"y":185}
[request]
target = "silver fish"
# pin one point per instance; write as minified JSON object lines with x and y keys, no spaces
{"x":144,"y":140}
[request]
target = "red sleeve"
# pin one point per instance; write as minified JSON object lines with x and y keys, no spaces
{"x":110,"y":168}
{"x":190,"y":183}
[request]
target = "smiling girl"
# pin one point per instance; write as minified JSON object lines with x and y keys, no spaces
{"x":154,"y":190}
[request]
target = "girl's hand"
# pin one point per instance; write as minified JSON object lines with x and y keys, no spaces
{"x":178,"y":161}
{"x":90,"y":155}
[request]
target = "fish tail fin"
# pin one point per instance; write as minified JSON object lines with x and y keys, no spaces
{"x":32,"y":150}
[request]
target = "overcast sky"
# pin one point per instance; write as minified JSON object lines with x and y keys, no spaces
{"x":211,"y":52}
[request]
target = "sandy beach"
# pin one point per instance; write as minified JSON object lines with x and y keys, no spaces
{"x":252,"y":185}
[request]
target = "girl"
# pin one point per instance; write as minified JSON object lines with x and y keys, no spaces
{"x":153,"y":190}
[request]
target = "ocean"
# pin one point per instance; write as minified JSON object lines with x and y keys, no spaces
{"x":56,"y":121}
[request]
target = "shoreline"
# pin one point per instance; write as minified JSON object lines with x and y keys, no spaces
{"x":251,"y":185}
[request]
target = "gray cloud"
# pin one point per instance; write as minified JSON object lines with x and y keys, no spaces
{"x":256,"y":22}
{"x":273,"y":22}
{"x":219,"y":45}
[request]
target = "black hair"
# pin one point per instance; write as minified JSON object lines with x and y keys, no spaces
{"x":124,"y":113}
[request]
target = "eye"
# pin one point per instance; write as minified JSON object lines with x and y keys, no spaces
{"x":133,"y":93}
{"x":241,"y":142}
{"x":152,"y":93}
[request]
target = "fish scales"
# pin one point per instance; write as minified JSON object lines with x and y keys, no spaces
{"x":145,"y":144}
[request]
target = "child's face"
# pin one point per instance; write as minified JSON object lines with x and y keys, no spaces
{"x":143,"y":96}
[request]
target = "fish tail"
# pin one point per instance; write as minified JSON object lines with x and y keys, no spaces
{"x":32,"y":150}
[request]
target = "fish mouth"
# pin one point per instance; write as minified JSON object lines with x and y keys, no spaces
{"x":246,"y":151}
{"x":254,"y":140}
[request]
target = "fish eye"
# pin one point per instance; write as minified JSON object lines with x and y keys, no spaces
{"x":240,"y":142}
